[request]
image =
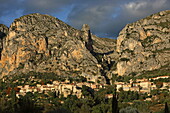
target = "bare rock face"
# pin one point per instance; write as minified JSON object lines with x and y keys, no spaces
{"x":42,"y":43}
{"x":3,"y":30}
{"x":144,"y":45}
{"x":3,"y":33}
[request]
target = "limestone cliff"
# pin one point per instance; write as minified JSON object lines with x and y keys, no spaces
{"x":144,"y":45}
{"x":42,"y":43}
{"x":3,"y":33}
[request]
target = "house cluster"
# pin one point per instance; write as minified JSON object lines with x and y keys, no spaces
{"x":66,"y":88}
{"x":159,"y":77}
{"x":142,"y":85}
{"x":61,"y":88}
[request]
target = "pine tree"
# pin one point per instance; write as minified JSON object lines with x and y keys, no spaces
{"x":14,"y":101}
{"x":166,"y":108}
{"x":114,"y":105}
{"x":114,"y":99}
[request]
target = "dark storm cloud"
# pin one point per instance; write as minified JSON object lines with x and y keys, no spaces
{"x":7,"y":6}
{"x":106,"y":17}
{"x":12,"y":9}
{"x":46,"y":6}
{"x":99,"y":14}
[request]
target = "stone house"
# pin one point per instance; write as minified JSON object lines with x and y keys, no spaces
{"x":148,"y":99}
{"x":135,"y":84}
{"x":38,"y":85}
{"x":109,"y":96}
{"x":141,"y":80}
{"x":134,"y":88}
{"x":94,"y":86}
{"x":145,"y":84}
{"x":26,"y":86}
{"x":166,"y":85}
{"x":145,"y":90}
{"x":56,"y":82}
{"x":119,"y":85}
{"x":126,"y":87}
{"x":153,"y":86}
{"x":159,"y":77}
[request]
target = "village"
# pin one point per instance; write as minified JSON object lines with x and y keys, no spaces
{"x":143,"y":85}
{"x":66,"y":88}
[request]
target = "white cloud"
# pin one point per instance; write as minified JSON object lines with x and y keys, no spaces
{"x":144,"y":7}
{"x":135,"y":5}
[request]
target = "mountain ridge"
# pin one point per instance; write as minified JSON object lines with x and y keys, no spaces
{"x":144,"y":40}
{"x":43,"y":43}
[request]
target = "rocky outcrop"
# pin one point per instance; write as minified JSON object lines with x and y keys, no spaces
{"x":144,"y":45}
{"x":3,"y":33}
{"x":42,"y":43}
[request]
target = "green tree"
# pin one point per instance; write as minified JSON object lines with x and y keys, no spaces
{"x":159,"y":84}
{"x":103,"y":107}
{"x":3,"y":105}
{"x":114,"y":104}
{"x":14,"y":101}
{"x":129,"y":110}
{"x":85,"y":109}
{"x":27,"y":105}
{"x":166,"y":108}
{"x":72,"y":103}
{"x":87,"y":91}
{"x":96,"y":109}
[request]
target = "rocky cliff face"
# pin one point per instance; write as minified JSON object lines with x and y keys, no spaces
{"x":42,"y":43}
{"x":3,"y":33}
{"x":144,"y":45}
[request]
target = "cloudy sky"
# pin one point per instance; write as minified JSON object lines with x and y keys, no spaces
{"x":105,"y":17}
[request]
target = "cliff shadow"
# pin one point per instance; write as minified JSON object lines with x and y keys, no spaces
{"x":2,"y":35}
